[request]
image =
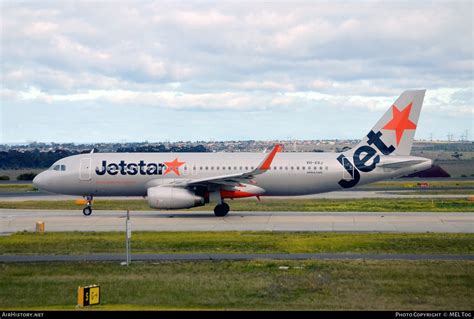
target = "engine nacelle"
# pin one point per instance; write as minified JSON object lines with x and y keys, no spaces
{"x":163,"y":197}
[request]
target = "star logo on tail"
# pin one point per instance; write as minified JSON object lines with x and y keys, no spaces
{"x":400,"y":121}
{"x":173,"y":166}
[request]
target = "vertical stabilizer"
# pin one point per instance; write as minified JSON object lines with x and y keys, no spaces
{"x":395,"y":131}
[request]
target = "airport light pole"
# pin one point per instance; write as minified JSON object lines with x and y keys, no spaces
{"x":128,"y":236}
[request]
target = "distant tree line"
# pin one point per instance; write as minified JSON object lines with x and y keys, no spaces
{"x":449,"y":147}
{"x":163,"y":149}
{"x":14,"y":159}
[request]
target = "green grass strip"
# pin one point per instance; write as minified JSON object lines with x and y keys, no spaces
{"x":236,"y":242}
{"x":415,"y":184}
{"x":9,"y":188}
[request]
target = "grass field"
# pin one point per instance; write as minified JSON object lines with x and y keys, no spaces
{"x":343,"y":285}
{"x":410,"y":184}
{"x":8,"y":188}
{"x":14,"y":173}
{"x":260,"y":284}
{"x":236,"y":242}
{"x":435,"y":191}
{"x":269,"y":204}
{"x":458,"y":168}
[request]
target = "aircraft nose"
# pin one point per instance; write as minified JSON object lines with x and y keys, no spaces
{"x":38,"y":181}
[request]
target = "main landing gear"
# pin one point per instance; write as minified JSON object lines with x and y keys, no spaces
{"x":221,"y":209}
{"x":88,"y":209}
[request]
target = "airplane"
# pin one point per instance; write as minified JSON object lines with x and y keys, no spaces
{"x":186,"y":180}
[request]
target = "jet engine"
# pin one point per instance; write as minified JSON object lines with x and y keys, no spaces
{"x":163,"y":197}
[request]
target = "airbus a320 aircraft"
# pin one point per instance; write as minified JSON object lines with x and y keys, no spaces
{"x":185,"y":180}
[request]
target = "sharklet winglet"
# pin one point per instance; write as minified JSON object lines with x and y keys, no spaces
{"x":265,"y":165}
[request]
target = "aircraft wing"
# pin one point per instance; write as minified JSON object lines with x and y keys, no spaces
{"x":233,"y":179}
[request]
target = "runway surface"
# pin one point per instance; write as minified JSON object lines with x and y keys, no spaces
{"x":14,"y":220}
{"x":350,"y":194}
{"x":228,"y":257}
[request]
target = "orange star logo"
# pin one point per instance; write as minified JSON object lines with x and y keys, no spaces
{"x":173,"y":166}
{"x":400,"y":121}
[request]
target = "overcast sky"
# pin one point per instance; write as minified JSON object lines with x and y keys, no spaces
{"x":195,"y":70}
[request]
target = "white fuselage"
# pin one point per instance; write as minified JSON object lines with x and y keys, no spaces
{"x":131,"y":174}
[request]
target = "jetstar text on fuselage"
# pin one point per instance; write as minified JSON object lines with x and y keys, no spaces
{"x":124,"y":168}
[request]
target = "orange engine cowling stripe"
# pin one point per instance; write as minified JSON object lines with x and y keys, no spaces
{"x":235,"y":194}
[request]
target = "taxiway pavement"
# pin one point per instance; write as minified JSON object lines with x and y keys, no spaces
{"x":14,"y":220}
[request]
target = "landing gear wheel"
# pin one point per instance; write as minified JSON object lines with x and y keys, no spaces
{"x":221,"y":210}
{"x":87,"y":210}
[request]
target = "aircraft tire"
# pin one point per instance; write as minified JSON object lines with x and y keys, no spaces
{"x":221,"y":210}
{"x":87,"y":211}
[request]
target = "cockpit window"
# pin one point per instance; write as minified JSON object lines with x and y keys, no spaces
{"x":58,"y":167}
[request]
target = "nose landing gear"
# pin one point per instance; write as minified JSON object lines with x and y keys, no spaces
{"x":221,"y":209}
{"x":88,"y":209}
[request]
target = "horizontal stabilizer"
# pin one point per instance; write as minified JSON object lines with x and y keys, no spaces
{"x":401,"y":164}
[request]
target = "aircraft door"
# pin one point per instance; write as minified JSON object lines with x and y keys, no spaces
{"x":85,"y":169}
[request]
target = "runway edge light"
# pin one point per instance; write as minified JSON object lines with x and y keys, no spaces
{"x":88,"y":295}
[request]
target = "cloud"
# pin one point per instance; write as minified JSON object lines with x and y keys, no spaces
{"x":237,"y":57}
